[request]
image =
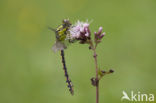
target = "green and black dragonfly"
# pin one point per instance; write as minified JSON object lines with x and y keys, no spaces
{"x":61,"y":33}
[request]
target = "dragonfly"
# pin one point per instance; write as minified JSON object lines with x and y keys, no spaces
{"x":61,"y":33}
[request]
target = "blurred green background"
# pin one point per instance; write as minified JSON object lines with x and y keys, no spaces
{"x":31,"y":73}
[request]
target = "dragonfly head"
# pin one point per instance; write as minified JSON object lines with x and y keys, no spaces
{"x":66,"y":23}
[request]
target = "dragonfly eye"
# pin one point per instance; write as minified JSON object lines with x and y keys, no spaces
{"x":66,"y":23}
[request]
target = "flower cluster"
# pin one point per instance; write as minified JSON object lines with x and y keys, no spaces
{"x":99,"y":35}
{"x":75,"y":32}
{"x":80,"y":31}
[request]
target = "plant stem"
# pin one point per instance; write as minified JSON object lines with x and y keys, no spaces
{"x":97,"y":79}
{"x":96,"y":69}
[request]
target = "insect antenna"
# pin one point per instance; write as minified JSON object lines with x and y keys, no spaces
{"x":52,"y":29}
{"x":68,"y":81}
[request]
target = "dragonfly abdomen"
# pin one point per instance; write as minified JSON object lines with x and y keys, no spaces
{"x":68,"y":81}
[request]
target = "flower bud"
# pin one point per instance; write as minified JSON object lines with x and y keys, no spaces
{"x":102,"y":35}
{"x":100,"y":30}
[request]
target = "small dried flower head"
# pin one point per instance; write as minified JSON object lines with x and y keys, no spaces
{"x":93,"y":81}
{"x":80,"y":31}
{"x":99,"y":35}
{"x":111,"y":71}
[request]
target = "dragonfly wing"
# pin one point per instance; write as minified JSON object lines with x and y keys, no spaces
{"x":58,"y":46}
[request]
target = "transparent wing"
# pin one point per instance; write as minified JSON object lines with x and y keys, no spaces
{"x":58,"y":46}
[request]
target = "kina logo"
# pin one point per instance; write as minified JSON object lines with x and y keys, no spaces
{"x":137,"y":96}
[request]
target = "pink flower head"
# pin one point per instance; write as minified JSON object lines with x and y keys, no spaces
{"x":80,"y":30}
